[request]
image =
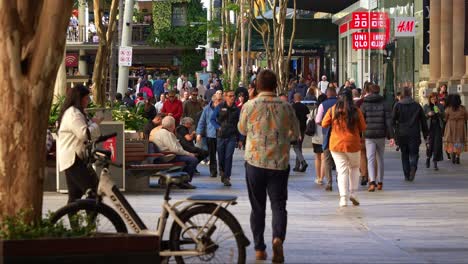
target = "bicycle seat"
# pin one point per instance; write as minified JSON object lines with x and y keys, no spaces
{"x":208,"y":197}
{"x":173,"y":177}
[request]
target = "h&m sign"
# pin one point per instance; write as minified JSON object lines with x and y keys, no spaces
{"x":405,"y":26}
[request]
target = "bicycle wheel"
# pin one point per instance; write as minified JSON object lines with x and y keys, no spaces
{"x":224,"y":242}
{"x":90,"y":216}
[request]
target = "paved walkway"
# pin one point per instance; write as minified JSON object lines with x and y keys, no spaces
{"x":425,"y":221}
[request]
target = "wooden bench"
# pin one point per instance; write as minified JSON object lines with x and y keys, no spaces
{"x":139,"y":163}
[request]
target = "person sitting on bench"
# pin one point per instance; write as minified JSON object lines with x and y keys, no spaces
{"x":186,"y":135}
{"x":166,"y":141}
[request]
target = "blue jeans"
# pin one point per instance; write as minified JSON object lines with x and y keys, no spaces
{"x":260,"y":182}
{"x":409,"y":155}
{"x":226,"y":147}
{"x":190,"y":163}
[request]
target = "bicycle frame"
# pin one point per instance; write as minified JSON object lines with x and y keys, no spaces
{"x":108,"y":189}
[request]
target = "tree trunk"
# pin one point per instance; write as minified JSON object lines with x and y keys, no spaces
{"x":102,"y":57}
{"x":32,"y":36}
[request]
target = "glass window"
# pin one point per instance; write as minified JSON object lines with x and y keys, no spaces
{"x":179,"y":15}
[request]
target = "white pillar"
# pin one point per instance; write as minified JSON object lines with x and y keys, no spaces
{"x":209,"y":13}
{"x":122,"y":83}
{"x":82,"y":28}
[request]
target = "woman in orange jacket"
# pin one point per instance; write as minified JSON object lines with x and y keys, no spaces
{"x":347,"y":123}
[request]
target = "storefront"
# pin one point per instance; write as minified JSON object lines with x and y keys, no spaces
{"x":375,"y":35}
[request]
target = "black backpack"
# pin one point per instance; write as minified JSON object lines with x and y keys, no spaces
{"x":311,"y":127}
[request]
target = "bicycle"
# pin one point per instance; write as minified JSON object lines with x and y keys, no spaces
{"x":203,"y":229}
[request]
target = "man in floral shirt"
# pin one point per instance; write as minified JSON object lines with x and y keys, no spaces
{"x":270,"y":125}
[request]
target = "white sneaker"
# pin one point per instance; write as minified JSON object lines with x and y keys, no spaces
{"x":343,"y":202}
{"x":317,"y":181}
{"x":353,"y":198}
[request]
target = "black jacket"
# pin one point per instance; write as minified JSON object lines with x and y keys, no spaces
{"x":378,"y":116}
{"x":301,"y":113}
{"x":409,"y":121}
{"x":228,"y":117}
{"x":189,"y":146}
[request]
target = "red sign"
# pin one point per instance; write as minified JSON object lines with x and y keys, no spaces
{"x":343,"y":28}
{"x":110,"y":144}
{"x":373,"y":20}
{"x":71,"y":60}
{"x":360,"y":20}
{"x":360,"y":40}
{"x":364,"y":40}
{"x":204,"y":63}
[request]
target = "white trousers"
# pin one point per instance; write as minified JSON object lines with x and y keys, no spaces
{"x":347,"y":167}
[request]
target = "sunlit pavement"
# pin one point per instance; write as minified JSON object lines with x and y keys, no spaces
{"x":425,"y":221}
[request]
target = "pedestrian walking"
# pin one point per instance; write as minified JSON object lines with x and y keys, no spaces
{"x":225,"y":118}
{"x":173,"y":107}
{"x":317,"y":141}
{"x":455,"y":136}
{"x":301,"y":111}
{"x":327,"y":159}
{"x":378,"y":117}
{"x":323,"y":84}
{"x":206,"y":129}
{"x":269,"y":125}
{"x":192,"y":108}
{"x":435,"y":114}
{"x":347,"y":123}
{"x":409,"y":121}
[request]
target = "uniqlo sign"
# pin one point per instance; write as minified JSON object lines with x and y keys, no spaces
{"x":365,"y":40}
{"x":405,"y":27}
{"x":373,"y":20}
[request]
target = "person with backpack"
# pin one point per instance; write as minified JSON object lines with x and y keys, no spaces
{"x":317,"y":141}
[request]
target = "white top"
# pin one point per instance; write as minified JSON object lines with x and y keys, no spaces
{"x":180,"y":84}
{"x":72,"y":137}
{"x":317,"y":138}
{"x":201,"y":90}
{"x":323,"y":85}
{"x":166,"y":141}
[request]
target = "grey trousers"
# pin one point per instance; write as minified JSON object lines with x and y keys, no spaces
{"x":375,"y":148}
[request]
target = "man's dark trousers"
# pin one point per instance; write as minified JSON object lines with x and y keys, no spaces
{"x":409,"y":149}
{"x":211,"y":142}
{"x":260,"y":182}
{"x":226,"y":147}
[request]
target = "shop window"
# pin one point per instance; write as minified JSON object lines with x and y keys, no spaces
{"x":179,"y":15}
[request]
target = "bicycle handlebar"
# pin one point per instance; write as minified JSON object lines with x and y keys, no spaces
{"x":103,"y":138}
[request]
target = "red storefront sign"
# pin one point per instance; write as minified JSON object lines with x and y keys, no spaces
{"x":71,"y":60}
{"x":343,"y":28}
{"x":370,"y":20}
{"x":364,"y":40}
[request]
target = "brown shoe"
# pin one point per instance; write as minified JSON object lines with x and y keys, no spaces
{"x":371,"y":187}
{"x":260,"y":255}
{"x":278,"y":255}
{"x":379,"y":186}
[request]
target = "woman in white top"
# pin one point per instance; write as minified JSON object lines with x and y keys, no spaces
{"x":317,"y":141}
{"x":74,"y":130}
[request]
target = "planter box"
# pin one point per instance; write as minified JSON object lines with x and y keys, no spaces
{"x":112,"y":248}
